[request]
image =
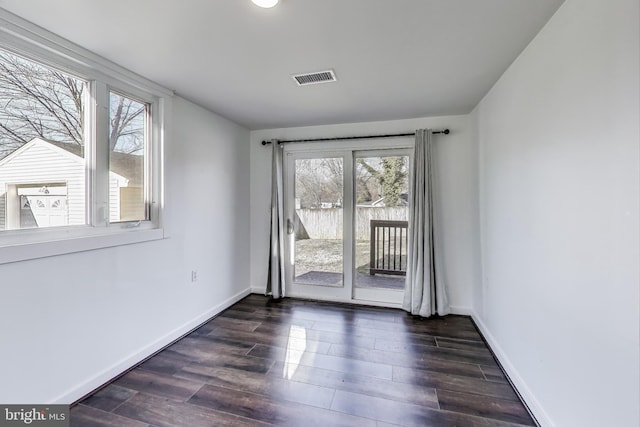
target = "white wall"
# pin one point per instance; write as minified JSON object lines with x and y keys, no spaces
{"x":559,"y":190}
{"x":68,"y":323}
{"x":456,"y":176}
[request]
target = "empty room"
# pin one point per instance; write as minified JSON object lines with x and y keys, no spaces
{"x":320,"y":213}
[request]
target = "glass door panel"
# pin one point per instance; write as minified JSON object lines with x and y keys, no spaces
{"x":381,"y":225}
{"x":318,"y":222}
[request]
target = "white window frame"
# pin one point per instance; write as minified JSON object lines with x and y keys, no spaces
{"x":34,"y":43}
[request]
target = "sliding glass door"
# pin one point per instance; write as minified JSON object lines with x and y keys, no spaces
{"x":347,"y":223}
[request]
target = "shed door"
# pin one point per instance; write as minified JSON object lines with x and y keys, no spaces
{"x":45,"y":206}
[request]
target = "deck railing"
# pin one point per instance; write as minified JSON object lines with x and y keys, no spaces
{"x":388,"y":247}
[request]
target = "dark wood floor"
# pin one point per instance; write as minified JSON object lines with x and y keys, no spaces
{"x":304,"y":363}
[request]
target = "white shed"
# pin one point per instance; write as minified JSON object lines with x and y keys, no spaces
{"x":43,"y":184}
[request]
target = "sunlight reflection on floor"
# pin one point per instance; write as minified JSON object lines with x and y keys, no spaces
{"x":296,"y":346}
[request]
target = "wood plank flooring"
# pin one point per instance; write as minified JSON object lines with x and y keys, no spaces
{"x":306,"y":363}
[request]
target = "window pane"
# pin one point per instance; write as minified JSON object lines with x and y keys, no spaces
{"x":318,"y":222}
{"x":42,"y":167}
{"x":127,"y":159}
{"x":381,"y":221}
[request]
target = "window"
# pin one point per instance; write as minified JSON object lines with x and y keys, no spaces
{"x":42,"y":144}
{"x":80,"y":142}
{"x":127,"y":159}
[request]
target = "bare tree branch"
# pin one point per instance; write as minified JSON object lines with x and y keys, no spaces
{"x":37,"y":101}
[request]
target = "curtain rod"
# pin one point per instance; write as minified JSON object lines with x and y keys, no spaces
{"x":344,"y":138}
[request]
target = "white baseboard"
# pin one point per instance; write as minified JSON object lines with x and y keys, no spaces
{"x":462,"y":311}
{"x":514,"y":377}
{"x":259,"y":291}
{"x":132,"y":360}
{"x":363,"y":302}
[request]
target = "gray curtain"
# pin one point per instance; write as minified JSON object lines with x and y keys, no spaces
{"x":276,"y":276}
{"x":425,"y":293}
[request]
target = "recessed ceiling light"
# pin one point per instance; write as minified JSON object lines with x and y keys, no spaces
{"x":265,"y":3}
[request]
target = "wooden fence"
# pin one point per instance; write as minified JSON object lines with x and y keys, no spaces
{"x":327,"y":223}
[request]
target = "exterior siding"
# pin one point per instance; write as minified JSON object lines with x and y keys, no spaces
{"x":40,"y":162}
{"x":132,"y":207}
{"x":114,"y":198}
{"x":3,"y":201}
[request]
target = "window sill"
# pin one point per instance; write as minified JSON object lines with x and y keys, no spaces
{"x":87,"y":240}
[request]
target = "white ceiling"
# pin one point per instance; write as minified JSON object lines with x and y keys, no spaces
{"x":393,"y":59}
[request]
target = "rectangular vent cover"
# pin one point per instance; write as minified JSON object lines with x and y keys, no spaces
{"x":315,"y":78}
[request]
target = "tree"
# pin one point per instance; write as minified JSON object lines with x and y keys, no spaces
{"x":36,"y":101}
{"x":39,"y":101}
{"x":127,"y":124}
{"x":391,"y":175}
{"x":367,"y":187}
{"x":318,"y":181}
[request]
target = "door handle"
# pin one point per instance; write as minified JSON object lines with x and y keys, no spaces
{"x":289,"y":226}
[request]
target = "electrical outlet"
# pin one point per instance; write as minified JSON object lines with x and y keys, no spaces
{"x":194,"y":276}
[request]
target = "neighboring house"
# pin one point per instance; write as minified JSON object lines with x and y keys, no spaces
{"x":42,"y":184}
{"x":404,"y":201}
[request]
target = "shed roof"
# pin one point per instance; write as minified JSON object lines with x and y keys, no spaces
{"x":126,"y":165}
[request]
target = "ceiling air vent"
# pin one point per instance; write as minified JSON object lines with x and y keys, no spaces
{"x":315,"y":78}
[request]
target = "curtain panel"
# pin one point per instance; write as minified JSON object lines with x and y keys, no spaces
{"x":276,"y":275}
{"x":425,"y":292}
